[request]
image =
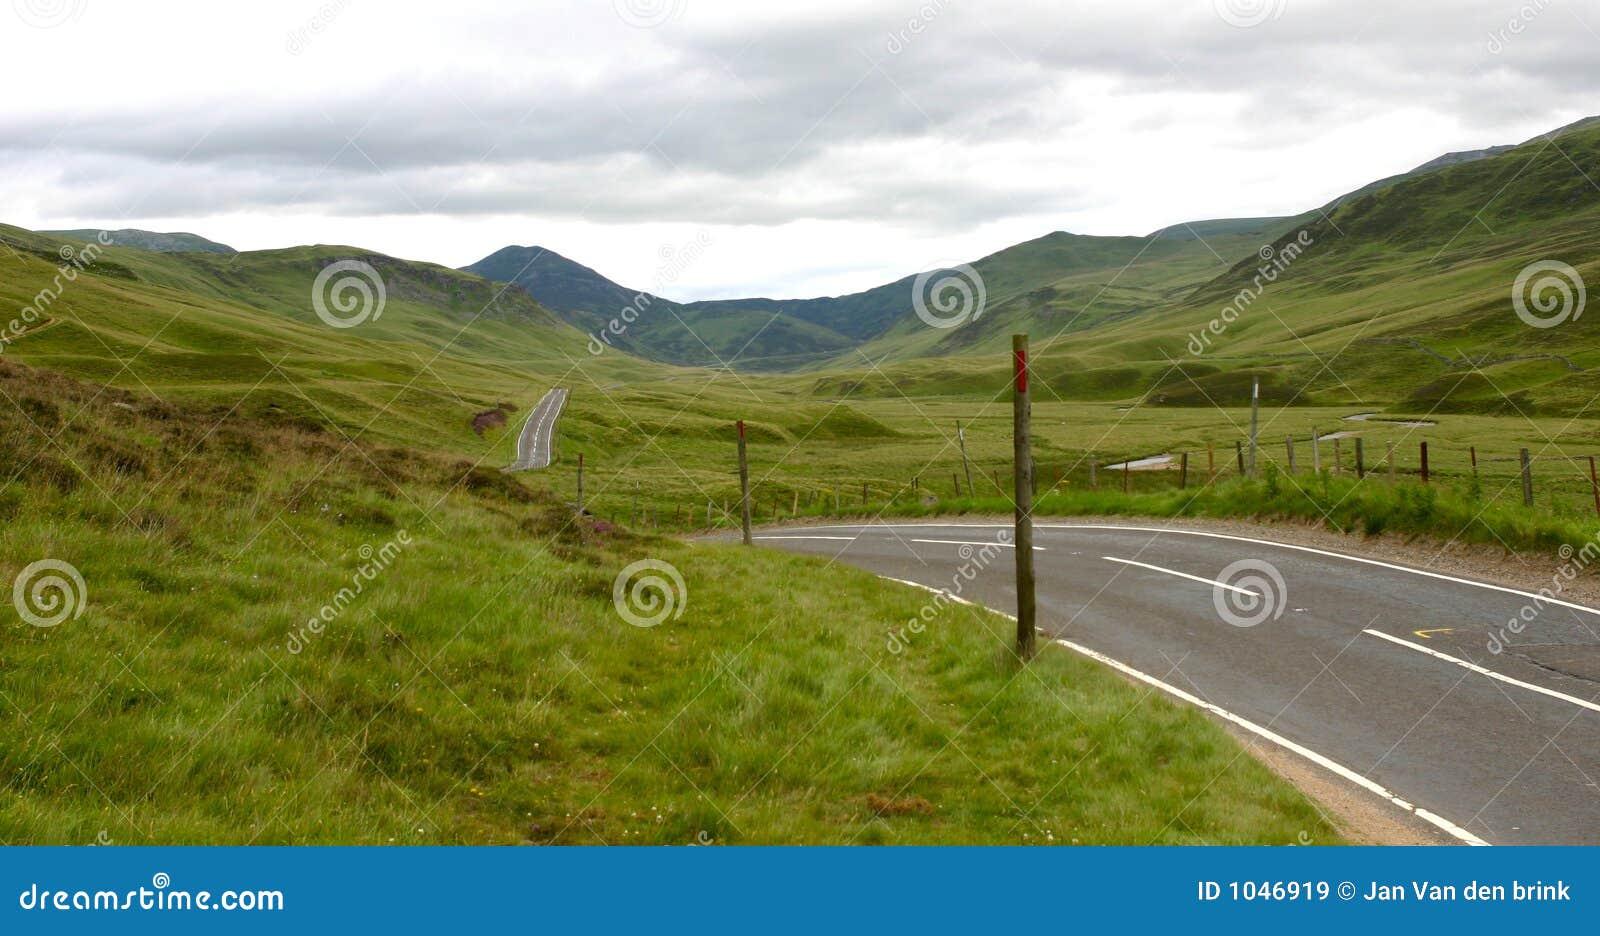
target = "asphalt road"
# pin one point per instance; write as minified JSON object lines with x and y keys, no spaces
{"x":1379,"y":673}
{"x":534,"y":446}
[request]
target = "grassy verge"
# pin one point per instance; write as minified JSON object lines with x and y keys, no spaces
{"x":472,"y":681}
{"x":1447,"y":512}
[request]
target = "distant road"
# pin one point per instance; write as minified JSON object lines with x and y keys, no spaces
{"x":534,"y":446}
{"x":1377,"y":672}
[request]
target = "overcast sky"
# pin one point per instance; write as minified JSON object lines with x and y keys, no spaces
{"x":817,"y":148}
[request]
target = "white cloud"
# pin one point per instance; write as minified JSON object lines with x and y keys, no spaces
{"x":825,"y":147}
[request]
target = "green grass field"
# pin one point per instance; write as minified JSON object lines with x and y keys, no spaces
{"x":286,"y":638}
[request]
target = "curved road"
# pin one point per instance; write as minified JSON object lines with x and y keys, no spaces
{"x":1380,"y":673}
{"x":534,"y":445}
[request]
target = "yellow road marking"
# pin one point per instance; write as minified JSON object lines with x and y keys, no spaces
{"x":1434,"y":630}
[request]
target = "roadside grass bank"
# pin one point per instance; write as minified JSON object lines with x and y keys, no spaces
{"x":271,"y":635}
{"x":1367,"y":507}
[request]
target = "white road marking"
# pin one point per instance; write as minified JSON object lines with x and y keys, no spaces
{"x":1485,"y":671}
{"x":975,"y":543}
{"x":1320,"y":760}
{"x":848,"y":539}
{"x":1192,"y":578}
{"x":1242,"y":539}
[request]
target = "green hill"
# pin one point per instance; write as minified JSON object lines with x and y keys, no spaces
{"x":178,"y":242}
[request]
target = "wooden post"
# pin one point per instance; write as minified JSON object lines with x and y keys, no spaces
{"x":1594,"y":485}
{"x":1390,"y":456}
{"x":1316,"y":451}
{"x":966,"y":466}
{"x":1211,"y":461}
{"x":995,"y":473}
{"x":1022,"y":420}
{"x":1238,"y":451}
{"x":1338,"y":457}
{"x":580,"y":482}
{"x":1126,"y":472}
{"x":1473,"y":451}
{"x":1289,"y":444}
{"x":633,"y":516}
{"x":1255,"y":405}
{"x":744,"y":487}
{"x":795,"y":510}
{"x":1527,"y":479}
{"x":835,"y":500}
{"x":1424,"y":463}
{"x":863,"y":493}
{"x":1094,"y":474}
{"x":1183,"y":471}
{"x":955,"y":480}
{"x":709,"y":512}
{"x":1361,"y":460}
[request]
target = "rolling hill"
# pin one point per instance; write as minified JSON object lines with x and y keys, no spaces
{"x":178,"y":242}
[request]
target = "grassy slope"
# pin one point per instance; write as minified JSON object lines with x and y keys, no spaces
{"x":481,"y":688}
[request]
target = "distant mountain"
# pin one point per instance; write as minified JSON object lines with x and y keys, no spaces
{"x":178,"y":242}
{"x":703,"y":333}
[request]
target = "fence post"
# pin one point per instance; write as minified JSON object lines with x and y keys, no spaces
{"x":1288,"y":443}
{"x":1527,"y":479}
{"x":744,"y":487}
{"x":1594,"y":485}
{"x":1390,"y":457}
{"x":580,"y":482}
{"x":1316,"y":451}
{"x":955,"y":479}
{"x":1338,"y":458}
{"x":1022,"y":419}
{"x":1473,"y":451}
{"x":1238,"y":450}
{"x":1094,"y":480}
{"x":1424,"y":463}
{"x":863,"y":493}
{"x":1211,"y":461}
{"x":1183,"y":471}
{"x":1361,"y":460}
{"x":633,"y":516}
{"x":966,"y":466}
{"x":708,"y":512}
{"x":1127,"y":471}
{"x":1255,"y":404}
{"x":795,"y":510}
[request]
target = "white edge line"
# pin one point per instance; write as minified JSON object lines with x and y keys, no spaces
{"x":972,"y":543}
{"x":1466,"y":664}
{"x":1242,"y":539}
{"x":849,"y":539}
{"x":1324,"y":762}
{"x":1192,"y":578}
